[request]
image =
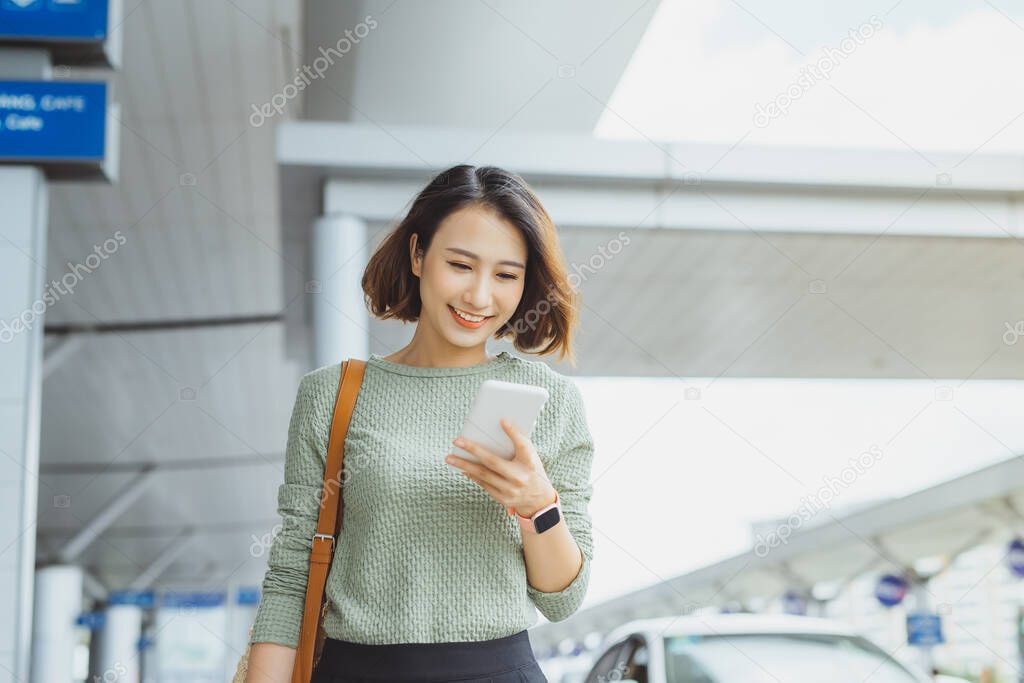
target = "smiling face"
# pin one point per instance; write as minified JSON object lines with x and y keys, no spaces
{"x":476,"y":265}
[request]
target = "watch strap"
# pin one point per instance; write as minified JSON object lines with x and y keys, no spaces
{"x":531,"y":523}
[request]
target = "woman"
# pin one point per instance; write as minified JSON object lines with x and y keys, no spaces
{"x":438,"y":570}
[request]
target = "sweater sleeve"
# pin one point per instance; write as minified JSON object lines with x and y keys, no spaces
{"x":279,"y":615}
{"x":569,"y":472}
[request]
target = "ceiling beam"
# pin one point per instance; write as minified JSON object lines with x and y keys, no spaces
{"x":128,"y":326}
{"x":118,"y":503}
{"x":151,"y":573}
{"x":184,"y":464}
{"x":357,"y":150}
{"x":58,"y":353}
{"x":929,"y":212}
{"x":93,"y":587}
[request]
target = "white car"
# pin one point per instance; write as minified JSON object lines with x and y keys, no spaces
{"x":744,"y":648}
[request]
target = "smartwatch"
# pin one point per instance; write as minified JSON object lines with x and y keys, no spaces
{"x":542,"y":520}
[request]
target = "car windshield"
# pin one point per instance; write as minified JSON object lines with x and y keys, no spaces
{"x":779,"y":658}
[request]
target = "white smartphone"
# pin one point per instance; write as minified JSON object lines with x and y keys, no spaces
{"x":520,"y":404}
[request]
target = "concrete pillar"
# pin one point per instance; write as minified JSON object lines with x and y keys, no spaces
{"x":23,"y":227}
{"x":341,"y":323}
{"x":58,"y":602}
{"x":23,"y":203}
{"x":119,"y":654}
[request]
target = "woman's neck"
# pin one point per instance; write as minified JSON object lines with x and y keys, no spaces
{"x":425,"y":358}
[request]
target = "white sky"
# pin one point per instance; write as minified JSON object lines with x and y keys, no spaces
{"x":676,"y":488}
{"x":937,"y":75}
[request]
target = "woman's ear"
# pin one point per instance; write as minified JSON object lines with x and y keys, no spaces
{"x":415,"y":255}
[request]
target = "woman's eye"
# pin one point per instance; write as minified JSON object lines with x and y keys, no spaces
{"x":503,"y":276}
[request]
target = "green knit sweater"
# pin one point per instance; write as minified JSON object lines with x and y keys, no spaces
{"x":425,"y":555}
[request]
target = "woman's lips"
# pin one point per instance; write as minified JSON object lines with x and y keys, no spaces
{"x":464,"y":322}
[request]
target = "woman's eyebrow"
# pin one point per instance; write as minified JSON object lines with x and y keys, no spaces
{"x":514,"y":264}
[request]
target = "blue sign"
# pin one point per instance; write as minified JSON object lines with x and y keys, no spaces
{"x":794,"y":602}
{"x":891,"y":589}
{"x":1015,"y":556}
{"x":53,"y":121}
{"x":185,"y":599}
{"x":129,"y":597}
{"x":91,"y":620}
{"x":53,"y":20}
{"x":248,"y":596}
{"x":924,"y":628}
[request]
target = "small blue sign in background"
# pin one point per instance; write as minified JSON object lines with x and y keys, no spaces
{"x":890,"y":589}
{"x":54,"y":20}
{"x":1015,"y":556}
{"x":248,"y":596}
{"x":144,"y":599}
{"x":52,"y":121}
{"x":924,"y":628}
{"x":186,"y":599}
{"x":91,"y":620}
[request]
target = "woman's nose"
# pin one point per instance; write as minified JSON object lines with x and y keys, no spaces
{"x":478,"y":295}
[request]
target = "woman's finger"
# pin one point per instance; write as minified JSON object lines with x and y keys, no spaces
{"x":482,"y":472}
{"x":523,"y":445}
{"x":494,"y":493}
{"x":490,"y":459}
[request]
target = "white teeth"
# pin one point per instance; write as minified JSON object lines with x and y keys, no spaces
{"x":466,"y":316}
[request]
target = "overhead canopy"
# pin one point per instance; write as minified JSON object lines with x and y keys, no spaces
{"x":940,"y":521}
{"x":708,"y":260}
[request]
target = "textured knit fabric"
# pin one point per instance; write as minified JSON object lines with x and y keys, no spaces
{"x":425,"y":554}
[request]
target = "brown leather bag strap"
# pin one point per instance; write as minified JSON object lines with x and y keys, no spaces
{"x":329,"y":520}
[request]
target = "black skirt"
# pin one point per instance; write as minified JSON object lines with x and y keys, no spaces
{"x":502,"y":660}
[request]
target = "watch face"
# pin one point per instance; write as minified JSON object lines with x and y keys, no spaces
{"x":546,"y":520}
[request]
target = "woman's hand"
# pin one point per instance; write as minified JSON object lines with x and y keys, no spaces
{"x":520,"y":484}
